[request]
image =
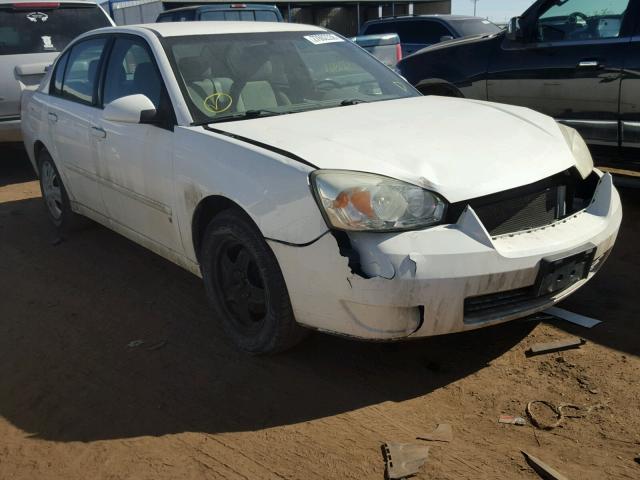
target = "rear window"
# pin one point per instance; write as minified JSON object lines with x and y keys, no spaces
{"x":38,"y":30}
{"x":239,"y":15}
{"x":474,"y":27}
{"x":183,"y":16}
{"x":265,"y":16}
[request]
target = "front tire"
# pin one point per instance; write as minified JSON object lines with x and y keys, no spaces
{"x":246,"y":288}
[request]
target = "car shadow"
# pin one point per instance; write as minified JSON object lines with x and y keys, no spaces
{"x":70,"y":372}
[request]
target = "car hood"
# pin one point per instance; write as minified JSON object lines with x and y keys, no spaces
{"x":459,"y":148}
{"x":456,"y":42}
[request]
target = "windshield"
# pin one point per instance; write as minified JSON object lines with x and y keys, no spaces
{"x":478,"y":26}
{"x":225,"y":77}
{"x":44,"y":29}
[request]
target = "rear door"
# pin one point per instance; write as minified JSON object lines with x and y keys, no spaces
{"x":136,"y":160}
{"x":569,"y":65}
{"x":71,"y":113}
{"x":31,"y":35}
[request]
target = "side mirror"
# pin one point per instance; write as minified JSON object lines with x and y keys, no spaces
{"x":130,"y":109}
{"x":446,"y":38}
{"x":514,"y":32}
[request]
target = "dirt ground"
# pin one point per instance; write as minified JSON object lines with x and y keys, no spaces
{"x":77,"y":403}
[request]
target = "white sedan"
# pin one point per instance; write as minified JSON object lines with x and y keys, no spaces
{"x":313,"y":188}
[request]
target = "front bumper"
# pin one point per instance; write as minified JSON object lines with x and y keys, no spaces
{"x":420,"y":280}
{"x":10,"y":130}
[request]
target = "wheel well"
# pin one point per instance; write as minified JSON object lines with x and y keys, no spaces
{"x":207,"y":209}
{"x":37,"y":148}
{"x":439,"y":87}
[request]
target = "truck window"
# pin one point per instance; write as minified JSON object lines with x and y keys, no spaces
{"x":265,"y":16}
{"x":34,"y":29}
{"x":582,"y":20}
{"x":421,"y":31}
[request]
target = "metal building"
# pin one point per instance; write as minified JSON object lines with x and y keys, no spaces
{"x":344,"y":17}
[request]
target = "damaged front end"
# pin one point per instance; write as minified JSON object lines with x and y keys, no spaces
{"x":415,"y":283}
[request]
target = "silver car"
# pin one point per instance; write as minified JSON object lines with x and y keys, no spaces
{"x":32,"y":33}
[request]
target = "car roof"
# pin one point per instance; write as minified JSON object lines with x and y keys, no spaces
{"x":182,"y":29}
{"x":417,"y":17}
{"x":219,"y":6}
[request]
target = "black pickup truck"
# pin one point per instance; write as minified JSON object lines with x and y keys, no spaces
{"x":575,"y":60}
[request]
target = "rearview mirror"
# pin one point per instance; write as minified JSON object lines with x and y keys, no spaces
{"x":514,"y":32}
{"x":446,"y":38}
{"x":130,"y":109}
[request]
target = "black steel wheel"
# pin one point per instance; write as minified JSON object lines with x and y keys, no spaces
{"x":241,"y":285}
{"x":245,"y":286}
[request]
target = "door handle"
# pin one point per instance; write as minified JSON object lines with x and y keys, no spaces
{"x":589,"y":64}
{"x":53,"y":118}
{"x":98,"y":132}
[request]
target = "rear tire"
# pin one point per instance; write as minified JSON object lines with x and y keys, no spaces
{"x":246,"y":288}
{"x":55,"y":196}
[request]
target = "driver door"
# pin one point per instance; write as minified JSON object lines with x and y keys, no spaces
{"x":568,"y":65}
{"x":136,"y":160}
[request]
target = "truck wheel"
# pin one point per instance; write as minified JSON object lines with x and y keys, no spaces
{"x":245,"y":286}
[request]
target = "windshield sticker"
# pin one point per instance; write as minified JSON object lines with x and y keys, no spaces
{"x":46,"y":42}
{"x":35,"y":16}
{"x":218,"y":102}
{"x":322,"y":38}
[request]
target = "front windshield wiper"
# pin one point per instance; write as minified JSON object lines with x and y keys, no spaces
{"x":352,"y":101}
{"x":245,"y":115}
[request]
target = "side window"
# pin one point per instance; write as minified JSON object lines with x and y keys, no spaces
{"x":421,"y":31}
{"x":56,"y":85}
{"x":573,"y":20}
{"x":81,"y":72}
{"x":132,"y":70}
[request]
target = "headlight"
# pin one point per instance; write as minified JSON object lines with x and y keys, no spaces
{"x":364,"y":201}
{"x":577,"y":145}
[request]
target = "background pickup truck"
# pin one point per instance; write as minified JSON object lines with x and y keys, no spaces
{"x":223,"y":12}
{"x":576,"y":61}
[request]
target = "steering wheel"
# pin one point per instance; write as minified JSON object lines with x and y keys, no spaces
{"x":573,"y":18}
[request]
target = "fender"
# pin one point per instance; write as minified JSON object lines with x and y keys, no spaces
{"x":270,"y":185}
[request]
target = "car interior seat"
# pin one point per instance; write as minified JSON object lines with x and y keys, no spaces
{"x":258,"y":94}
{"x":199,"y":87}
{"x":82,"y":87}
